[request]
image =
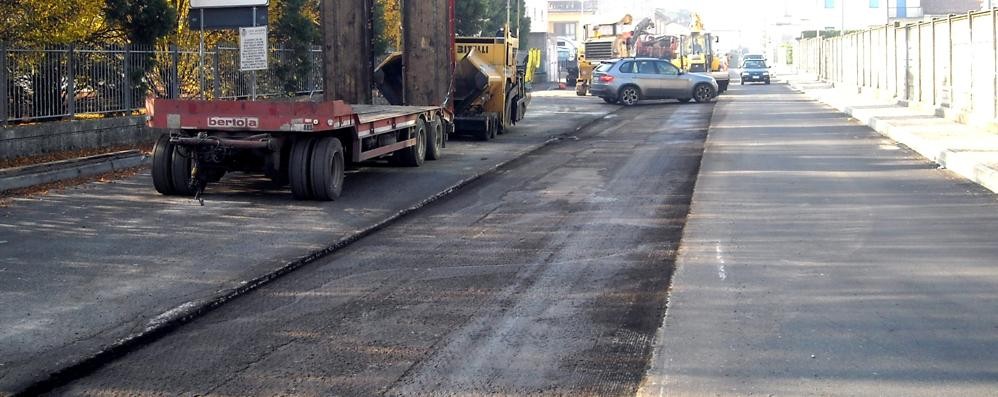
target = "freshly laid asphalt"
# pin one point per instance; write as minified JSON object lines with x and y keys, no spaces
{"x":83,"y":268}
{"x":546,"y":277}
{"x":823,"y":259}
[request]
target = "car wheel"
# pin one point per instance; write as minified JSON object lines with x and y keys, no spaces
{"x":703,"y":93}
{"x":609,"y":100}
{"x":629,"y":96}
{"x":767,"y":82}
{"x":743,"y":82}
{"x":684,"y":100}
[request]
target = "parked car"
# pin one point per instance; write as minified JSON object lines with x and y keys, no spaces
{"x":630,"y":80}
{"x":755,"y":71}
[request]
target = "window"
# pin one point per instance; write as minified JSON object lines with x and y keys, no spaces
{"x":667,"y":69}
{"x":647,"y":67}
{"x":604,"y":67}
{"x":627,"y":67}
{"x":874,"y":3}
{"x":564,"y":29}
{"x":829,"y":3}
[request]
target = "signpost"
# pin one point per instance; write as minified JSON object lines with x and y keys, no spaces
{"x":249,"y":16}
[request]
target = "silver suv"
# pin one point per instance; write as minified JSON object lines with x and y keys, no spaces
{"x":630,"y":80}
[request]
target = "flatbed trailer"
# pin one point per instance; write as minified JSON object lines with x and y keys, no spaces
{"x":305,"y":144}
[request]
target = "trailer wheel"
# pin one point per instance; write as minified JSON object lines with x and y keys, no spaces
{"x":413,"y":156}
{"x":298,"y":168}
{"x":327,"y":169}
{"x":486,"y":132}
{"x":161,"y":155}
{"x":435,"y":138}
{"x":180,"y":170}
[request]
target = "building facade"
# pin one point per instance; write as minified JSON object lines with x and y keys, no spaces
{"x":860,"y":14}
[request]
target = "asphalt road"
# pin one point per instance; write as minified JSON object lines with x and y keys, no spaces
{"x":548,"y":277}
{"x":82,"y":268}
{"x":823,"y":259}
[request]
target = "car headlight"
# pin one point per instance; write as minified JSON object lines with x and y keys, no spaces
{"x":765,"y":73}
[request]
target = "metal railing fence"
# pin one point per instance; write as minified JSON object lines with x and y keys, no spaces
{"x":54,"y":83}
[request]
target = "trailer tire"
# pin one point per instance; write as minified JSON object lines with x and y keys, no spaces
{"x":180,"y":171}
{"x":298,"y":168}
{"x":435,"y":140}
{"x":162,"y":153}
{"x":413,"y":156}
{"x":486,"y":132}
{"x":328,"y":167}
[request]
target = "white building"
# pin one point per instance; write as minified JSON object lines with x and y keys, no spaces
{"x":861,"y":14}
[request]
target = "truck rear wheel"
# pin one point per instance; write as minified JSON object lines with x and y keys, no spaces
{"x":180,"y":170}
{"x":435,"y":139}
{"x":413,"y":156}
{"x":162,"y":153}
{"x":299,"y":168}
{"x":327,"y":169}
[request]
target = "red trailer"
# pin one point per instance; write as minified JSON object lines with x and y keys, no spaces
{"x":305,"y":144}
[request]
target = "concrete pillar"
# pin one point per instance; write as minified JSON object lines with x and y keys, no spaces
{"x":347,"y":61}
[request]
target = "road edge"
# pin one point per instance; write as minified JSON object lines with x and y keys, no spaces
{"x":647,"y":385}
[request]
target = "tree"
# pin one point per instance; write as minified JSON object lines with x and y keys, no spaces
{"x":298,"y":33}
{"x":142,"y":22}
{"x":470,"y":16}
{"x":38,"y":23}
{"x":497,"y":16}
{"x":487,"y":17}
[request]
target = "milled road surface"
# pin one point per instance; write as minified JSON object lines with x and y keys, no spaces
{"x":549,"y":277}
{"x":822,"y":259}
{"x":82,"y":268}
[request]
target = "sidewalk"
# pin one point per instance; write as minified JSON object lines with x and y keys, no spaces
{"x":968,"y":151}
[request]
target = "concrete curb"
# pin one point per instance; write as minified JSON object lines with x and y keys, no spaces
{"x":32,"y":175}
{"x":976,"y":166}
{"x":172,"y":319}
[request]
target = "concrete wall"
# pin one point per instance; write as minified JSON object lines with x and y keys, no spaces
{"x":49,"y":137}
{"x":946,"y":64}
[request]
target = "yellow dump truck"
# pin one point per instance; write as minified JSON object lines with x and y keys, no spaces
{"x":602,"y":42}
{"x":489,"y":94}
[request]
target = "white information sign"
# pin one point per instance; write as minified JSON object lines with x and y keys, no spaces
{"x":253,"y":48}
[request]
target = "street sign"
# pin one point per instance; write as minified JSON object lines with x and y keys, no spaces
{"x":227,"y":17}
{"x":253,"y":48}
{"x":228,"y":3}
